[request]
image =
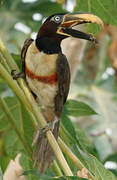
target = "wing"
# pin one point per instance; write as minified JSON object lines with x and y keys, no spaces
{"x":27,"y":43}
{"x":24,"y":50}
{"x":63,"y":78}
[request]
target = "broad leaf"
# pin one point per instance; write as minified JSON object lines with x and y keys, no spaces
{"x":28,"y":128}
{"x":98,"y":169}
{"x":12,"y":144}
{"x":14,"y":107}
{"x":68,"y":126}
{"x":77,"y":108}
{"x":4,"y":161}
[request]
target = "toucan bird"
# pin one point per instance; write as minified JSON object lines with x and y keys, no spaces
{"x":46,"y":71}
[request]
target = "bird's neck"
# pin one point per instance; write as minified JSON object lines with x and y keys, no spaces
{"x":48,"y":45}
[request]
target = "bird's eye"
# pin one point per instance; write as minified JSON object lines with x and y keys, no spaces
{"x":57,"y":19}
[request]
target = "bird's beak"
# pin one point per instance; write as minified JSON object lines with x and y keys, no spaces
{"x":72,"y":19}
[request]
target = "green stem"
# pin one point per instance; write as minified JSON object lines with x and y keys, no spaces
{"x":56,"y":168}
{"x":3,"y":61}
{"x":72,"y":156}
{"x":13,"y":84}
{"x":12,"y":121}
{"x":8,"y":57}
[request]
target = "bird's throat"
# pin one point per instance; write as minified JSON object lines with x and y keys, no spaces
{"x":47,"y":45}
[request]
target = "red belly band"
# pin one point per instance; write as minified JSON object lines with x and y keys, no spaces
{"x":52,"y":79}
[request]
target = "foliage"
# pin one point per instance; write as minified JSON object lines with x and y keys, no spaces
{"x":95,"y":101}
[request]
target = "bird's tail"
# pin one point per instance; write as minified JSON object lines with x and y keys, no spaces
{"x":43,"y":154}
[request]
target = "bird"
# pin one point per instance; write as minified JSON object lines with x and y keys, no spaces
{"x":46,"y":71}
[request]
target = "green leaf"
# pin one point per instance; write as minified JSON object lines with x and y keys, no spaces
{"x":106,"y":10}
{"x":68,"y":126}
{"x":13,"y":105}
{"x":26,"y":164}
{"x":4,"y":161}
{"x":85,"y":144}
{"x":112,"y":157}
{"x":4,"y":124}
{"x":28,"y":128}
{"x":45,"y":177}
{"x":15,"y":109}
{"x":12,"y":144}
{"x":77,"y":108}
{"x":98,"y":169}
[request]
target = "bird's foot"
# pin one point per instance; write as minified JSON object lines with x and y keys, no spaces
{"x":42,"y":131}
{"x":18,"y":75}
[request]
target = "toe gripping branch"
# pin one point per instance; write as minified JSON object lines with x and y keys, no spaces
{"x":42,"y":131}
{"x":18,"y":75}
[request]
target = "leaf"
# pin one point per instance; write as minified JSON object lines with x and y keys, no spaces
{"x":98,"y":169}
{"x":15,"y":109}
{"x":28,"y":128}
{"x":4,"y":161}
{"x":106,"y":10}
{"x":4,"y":124}
{"x":77,"y":108}
{"x":12,"y":144}
{"x":26,"y":164}
{"x":85,"y":144}
{"x":112,"y":157}
{"x":13,"y":105}
{"x":68,"y":126}
{"x":45,"y":177}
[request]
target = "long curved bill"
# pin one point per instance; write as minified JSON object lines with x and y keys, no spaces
{"x":72,"y":19}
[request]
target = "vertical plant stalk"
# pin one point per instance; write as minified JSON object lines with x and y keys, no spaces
{"x":3,"y":61}
{"x":14,"y":125}
{"x":10,"y":61}
{"x":14,"y":86}
{"x":57,"y":169}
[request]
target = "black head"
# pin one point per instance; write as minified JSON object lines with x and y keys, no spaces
{"x":59,"y":26}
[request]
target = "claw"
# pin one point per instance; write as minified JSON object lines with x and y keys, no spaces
{"x":16,"y":76}
{"x":42,"y":131}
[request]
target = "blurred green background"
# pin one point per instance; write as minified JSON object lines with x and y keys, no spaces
{"x":94,"y":82}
